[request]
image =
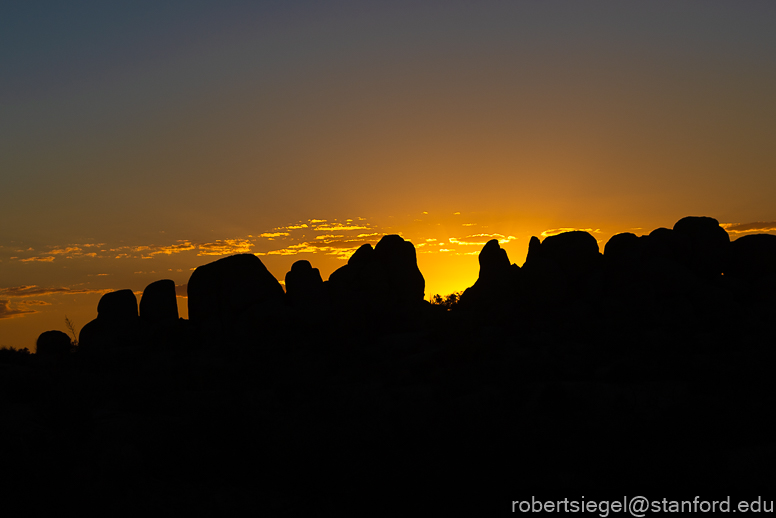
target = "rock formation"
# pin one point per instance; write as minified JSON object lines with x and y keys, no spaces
{"x":159,"y":303}
{"x":496,"y":282}
{"x":116,"y":325}
{"x":53,"y":343}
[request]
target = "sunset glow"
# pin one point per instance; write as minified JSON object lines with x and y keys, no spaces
{"x":142,"y":142}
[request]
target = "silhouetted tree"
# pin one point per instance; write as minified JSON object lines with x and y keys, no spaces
{"x":448,"y":301}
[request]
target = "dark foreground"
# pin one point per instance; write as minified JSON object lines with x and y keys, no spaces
{"x":637,"y":373}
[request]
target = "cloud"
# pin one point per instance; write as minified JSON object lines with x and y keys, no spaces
{"x":270,"y":235}
{"x":225,"y":247}
{"x":182,"y":246}
{"x":556,"y":231}
{"x":38,"y":259}
{"x":336,"y":227}
{"x":480,"y":239}
{"x":68,"y":250}
{"x":36,"y":291}
{"x":757,"y":226}
{"x":7,"y":311}
{"x":329,"y":245}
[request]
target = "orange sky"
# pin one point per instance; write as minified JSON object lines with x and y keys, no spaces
{"x":193,"y":128}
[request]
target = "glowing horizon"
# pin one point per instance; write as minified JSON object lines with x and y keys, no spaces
{"x":141,"y":141}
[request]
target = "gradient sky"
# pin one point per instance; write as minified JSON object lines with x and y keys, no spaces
{"x":139,"y":140}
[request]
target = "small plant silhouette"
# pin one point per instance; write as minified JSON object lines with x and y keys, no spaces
{"x":71,"y":328}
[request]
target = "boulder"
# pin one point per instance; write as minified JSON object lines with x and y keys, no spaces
{"x":752,"y":257}
{"x":159,"y":303}
{"x":561,"y":267}
{"x":386,"y":274}
{"x":494,"y":262}
{"x":397,"y":258}
{"x":116,"y":325}
{"x":569,"y":254}
{"x":706,"y":245}
{"x":622,"y":249}
{"x":53,"y":343}
{"x":223,"y":289}
{"x":303,"y":282}
{"x":496,"y":281}
{"x":118,"y":306}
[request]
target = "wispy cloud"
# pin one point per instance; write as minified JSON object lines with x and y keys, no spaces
{"x":480,"y":239}
{"x":556,"y":231}
{"x":37,"y":259}
{"x":336,"y":227}
{"x":32,"y":290}
{"x":742,"y":228}
{"x":7,"y":310}
{"x":225,"y":247}
{"x":181,"y":246}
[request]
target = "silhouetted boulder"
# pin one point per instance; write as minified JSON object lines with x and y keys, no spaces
{"x":622,"y":249}
{"x":226,"y":287}
{"x":561,"y":267}
{"x":159,"y":302}
{"x":494,"y":262}
{"x":116,"y":325}
{"x":398,"y":259}
{"x":363,"y":256}
{"x":570,"y":254}
{"x":574,"y":252}
{"x":624,"y":265}
{"x":379,"y":282}
{"x":389,"y":273}
{"x":534,"y":245}
{"x":303,"y":282}
{"x":53,"y":343}
{"x":665,"y":244}
{"x":236,"y":301}
{"x":496,"y":281}
{"x":752,"y":257}
{"x":118,"y":306}
{"x":706,"y":245}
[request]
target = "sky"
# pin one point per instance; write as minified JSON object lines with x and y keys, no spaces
{"x":139,"y":140}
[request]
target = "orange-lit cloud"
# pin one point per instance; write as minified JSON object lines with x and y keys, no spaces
{"x":68,"y":250}
{"x":182,"y":246}
{"x":480,"y":239}
{"x":37,"y":259}
{"x":335,"y":227}
{"x":33,"y":290}
{"x":742,"y":228}
{"x":9,"y":311}
{"x":225,"y":247}
{"x":556,"y":231}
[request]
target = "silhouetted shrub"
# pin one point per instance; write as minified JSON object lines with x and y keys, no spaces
{"x":448,"y":301}
{"x":13,"y":355}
